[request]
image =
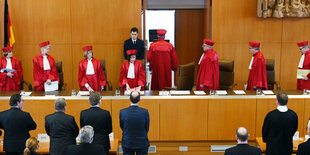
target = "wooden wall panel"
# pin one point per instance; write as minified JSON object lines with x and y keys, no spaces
{"x":183,"y":119}
{"x":307,"y":116}
{"x":70,"y":25}
{"x":189,"y":33}
{"x":235,"y":23}
{"x":225,"y":116}
{"x":264,"y":106}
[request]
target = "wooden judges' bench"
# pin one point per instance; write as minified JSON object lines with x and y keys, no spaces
{"x":195,"y":121}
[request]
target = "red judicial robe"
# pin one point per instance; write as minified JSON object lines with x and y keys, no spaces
{"x":208,"y":72}
{"x":258,"y":73}
{"x":162,"y":58}
{"x":40,"y":76}
{"x":139,"y":79}
{"x":96,"y":80}
{"x":7,"y":83}
{"x":305,"y":84}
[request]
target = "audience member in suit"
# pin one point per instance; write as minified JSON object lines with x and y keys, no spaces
{"x":16,"y":125}
{"x":32,"y":145}
{"x":86,"y":146}
{"x":135,"y":122}
{"x":304,"y":148}
{"x":99,"y":119}
{"x":61,"y":128}
{"x":243,"y":148}
{"x":134,"y":44}
{"x":279,"y":128}
{"x":0,"y":132}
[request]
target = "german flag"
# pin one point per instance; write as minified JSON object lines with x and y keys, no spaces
{"x":9,"y":39}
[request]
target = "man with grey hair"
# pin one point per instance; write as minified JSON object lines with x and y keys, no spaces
{"x":86,"y":147}
{"x":61,"y":128}
{"x":135,"y":122}
{"x":99,"y":119}
{"x":304,"y":148}
{"x":243,"y":148}
{"x":304,"y":63}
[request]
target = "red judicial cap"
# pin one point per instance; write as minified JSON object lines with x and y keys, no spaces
{"x":208,"y":42}
{"x":87,"y":48}
{"x":6,"y":49}
{"x":302,"y":44}
{"x":254,"y":44}
{"x":44,"y":43}
{"x":131,"y":52}
{"x":161,"y":32}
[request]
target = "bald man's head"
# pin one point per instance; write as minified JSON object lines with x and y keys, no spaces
{"x":242,"y":134}
{"x":134,"y":97}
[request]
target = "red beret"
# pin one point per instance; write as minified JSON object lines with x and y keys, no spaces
{"x":208,"y":42}
{"x":302,"y":44}
{"x":131,"y":52}
{"x":44,"y":44}
{"x":6,"y":49}
{"x":254,"y":44}
{"x":161,"y":32}
{"x":87,"y":48}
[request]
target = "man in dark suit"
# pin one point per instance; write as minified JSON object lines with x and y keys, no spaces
{"x":304,"y":148}
{"x":99,"y":119}
{"x":86,"y":146}
{"x":279,"y":128}
{"x":16,"y":125}
{"x":134,"y":43}
{"x":135,"y":122}
{"x":243,"y":148}
{"x":61,"y":128}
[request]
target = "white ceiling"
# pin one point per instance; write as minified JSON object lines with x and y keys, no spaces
{"x":175,"y":4}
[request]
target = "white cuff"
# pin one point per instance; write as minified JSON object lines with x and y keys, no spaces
{"x":86,"y":85}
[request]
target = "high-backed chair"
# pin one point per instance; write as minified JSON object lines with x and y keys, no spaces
{"x":186,"y":75}
{"x":61,"y":84}
{"x":226,"y":74}
{"x":271,"y":75}
{"x":23,"y":82}
{"x":109,"y":85}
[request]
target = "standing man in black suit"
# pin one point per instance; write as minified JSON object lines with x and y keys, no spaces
{"x":243,"y":148}
{"x":135,"y":122}
{"x":61,"y":128}
{"x":279,"y":128}
{"x":16,"y":125}
{"x":99,"y":119}
{"x":86,"y":146}
{"x":304,"y":148}
{"x":134,"y":43}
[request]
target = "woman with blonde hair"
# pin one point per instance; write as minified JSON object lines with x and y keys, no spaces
{"x":32,"y":144}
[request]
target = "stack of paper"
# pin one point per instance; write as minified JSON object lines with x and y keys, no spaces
{"x":221,"y":92}
{"x":180,"y":92}
{"x":268,"y":92}
{"x":198,"y":92}
{"x":25,"y":93}
{"x":239,"y":92}
{"x":127,"y":92}
{"x":83,"y":93}
{"x":52,"y":87}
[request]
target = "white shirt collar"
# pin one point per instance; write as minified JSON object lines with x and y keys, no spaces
{"x":250,"y":66}
{"x":46,"y":64}
{"x":134,"y":104}
{"x":282,"y":108}
{"x":96,"y":105}
{"x":131,"y":71}
{"x":301,"y":61}
{"x":8,"y":63}
{"x":90,"y":67}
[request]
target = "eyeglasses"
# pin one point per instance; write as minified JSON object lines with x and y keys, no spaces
{"x":301,"y":48}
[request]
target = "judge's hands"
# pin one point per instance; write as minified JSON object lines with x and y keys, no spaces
{"x":48,"y":81}
{"x":305,"y":77}
{"x":10,"y":75}
{"x":89,"y":88}
{"x":202,"y":86}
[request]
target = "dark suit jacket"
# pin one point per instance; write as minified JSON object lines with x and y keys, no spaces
{"x":128,"y":45}
{"x":16,"y":125}
{"x":134,"y":122}
{"x":86,"y":149}
{"x":62,"y":130}
{"x":0,"y":132}
{"x":101,"y":121}
{"x":243,"y":149}
{"x":304,"y":148}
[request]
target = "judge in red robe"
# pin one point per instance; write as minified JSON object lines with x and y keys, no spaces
{"x":162,"y":59}
{"x":91,"y":76}
{"x":208,"y":77}
{"x":304,"y":63}
{"x":44,"y":68}
{"x":11,"y":71}
{"x":258,"y":75}
{"x":132,"y":75}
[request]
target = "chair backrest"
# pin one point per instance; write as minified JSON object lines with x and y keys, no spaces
{"x":271,"y":75}
{"x":227,"y":73}
{"x":103,"y":64}
{"x":186,"y":74}
{"x":60,"y":74}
